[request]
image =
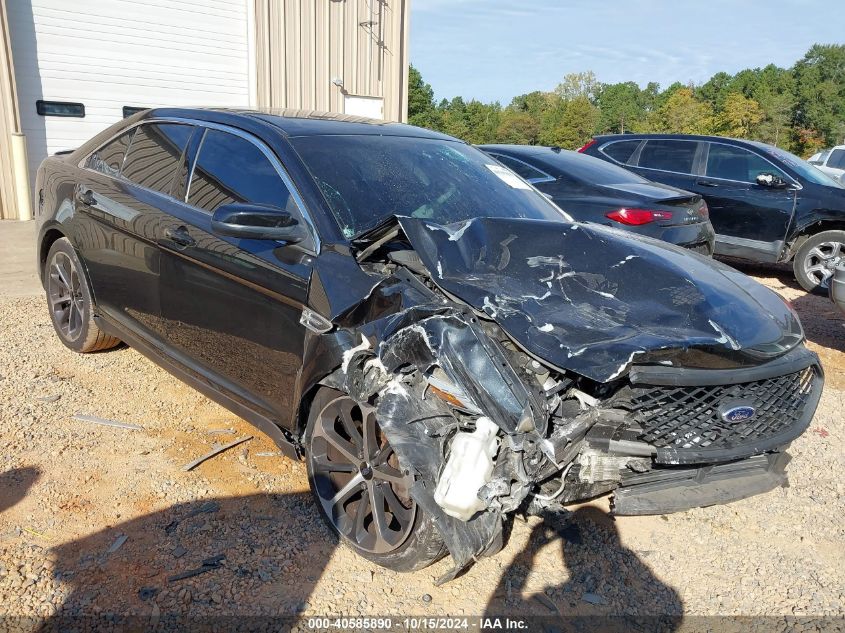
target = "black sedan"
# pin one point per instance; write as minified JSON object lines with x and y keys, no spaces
{"x":433,"y":336}
{"x":592,"y":190}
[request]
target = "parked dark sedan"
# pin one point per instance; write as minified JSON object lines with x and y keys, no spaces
{"x":766,"y":205}
{"x":592,"y":190}
{"x":432,"y":335}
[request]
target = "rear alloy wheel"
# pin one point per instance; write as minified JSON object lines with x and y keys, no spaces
{"x":69,"y":301}
{"x":817,"y":259}
{"x":362,"y":490}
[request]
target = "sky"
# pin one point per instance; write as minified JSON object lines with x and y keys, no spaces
{"x":496,"y":49}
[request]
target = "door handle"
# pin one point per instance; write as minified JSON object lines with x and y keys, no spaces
{"x":180,"y":236}
{"x":706,"y":183}
{"x":86,"y":197}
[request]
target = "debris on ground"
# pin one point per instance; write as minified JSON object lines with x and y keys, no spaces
{"x":216,"y":451}
{"x":105,"y":422}
{"x":118,"y":543}
{"x":214,"y":562}
{"x":53,"y":398}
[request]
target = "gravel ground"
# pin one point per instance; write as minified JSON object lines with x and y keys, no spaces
{"x":70,"y":491}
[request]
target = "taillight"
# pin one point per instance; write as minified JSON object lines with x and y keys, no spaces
{"x":586,"y":145}
{"x":704,"y":212}
{"x":637,"y":217}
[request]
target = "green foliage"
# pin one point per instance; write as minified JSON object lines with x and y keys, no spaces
{"x":800,"y":108}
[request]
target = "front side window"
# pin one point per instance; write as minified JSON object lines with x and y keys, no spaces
{"x":669,"y":155}
{"x":523,"y":169}
{"x":109,"y":158}
{"x":155,"y":153}
{"x":231,"y":169}
{"x":368,"y":178}
{"x":837,"y":159}
{"x":620,"y":151}
{"x":736,"y":163}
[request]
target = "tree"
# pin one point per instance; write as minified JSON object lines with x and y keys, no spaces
{"x":576,"y":85}
{"x":739,"y":116}
{"x":517,"y":127}
{"x":820,"y":93}
{"x":575,"y":124}
{"x":420,"y":100}
{"x":715,"y":90}
{"x":682,"y":113}
{"x":621,"y":107}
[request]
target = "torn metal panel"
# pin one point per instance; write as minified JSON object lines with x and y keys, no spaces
{"x":412,"y":426}
{"x":456,"y":344}
{"x":582,"y":298}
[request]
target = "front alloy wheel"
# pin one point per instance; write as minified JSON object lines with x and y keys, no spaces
{"x":362,"y":490}
{"x":358,"y":482}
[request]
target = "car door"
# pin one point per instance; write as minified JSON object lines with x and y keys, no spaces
{"x":232,"y":306}
{"x":122,"y":196}
{"x":750,"y":220}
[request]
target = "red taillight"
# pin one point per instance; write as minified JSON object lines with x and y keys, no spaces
{"x":704,"y":212}
{"x":586,"y":145}
{"x":637,"y":217}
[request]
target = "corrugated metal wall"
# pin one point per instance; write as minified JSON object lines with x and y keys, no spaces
{"x":9,"y":121}
{"x":303,"y":45}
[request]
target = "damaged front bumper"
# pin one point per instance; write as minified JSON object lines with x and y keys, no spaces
{"x":662,"y":491}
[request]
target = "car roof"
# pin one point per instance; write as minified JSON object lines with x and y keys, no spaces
{"x":294,"y":123}
{"x":680,"y":137}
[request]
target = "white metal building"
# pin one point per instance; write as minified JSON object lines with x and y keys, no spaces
{"x":70,"y":69}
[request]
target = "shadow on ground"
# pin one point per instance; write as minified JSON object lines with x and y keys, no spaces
{"x":15,"y":484}
{"x":242,"y":556}
{"x":606,"y":579}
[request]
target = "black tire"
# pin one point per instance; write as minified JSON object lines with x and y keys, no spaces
{"x":817,"y":258}
{"x":422,"y":544}
{"x":70,"y":302}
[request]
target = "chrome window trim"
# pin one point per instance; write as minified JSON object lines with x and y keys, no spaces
{"x":263,"y":148}
{"x":792,"y":180}
{"x":639,"y":146}
{"x":546,"y":177}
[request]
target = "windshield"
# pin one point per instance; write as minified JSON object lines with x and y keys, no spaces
{"x":367,"y":178}
{"x":802,"y":167}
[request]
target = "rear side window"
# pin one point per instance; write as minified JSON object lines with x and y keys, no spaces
{"x":620,"y":151}
{"x":736,"y":163}
{"x":155,"y":153}
{"x":837,"y":159}
{"x":232,"y":169}
{"x":668,"y":155}
{"x":523,"y":169}
{"x":109,"y":158}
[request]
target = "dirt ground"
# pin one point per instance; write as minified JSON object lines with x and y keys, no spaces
{"x":70,"y":491}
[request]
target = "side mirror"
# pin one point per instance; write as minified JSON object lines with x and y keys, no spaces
{"x":771,"y":180}
{"x":256,"y":222}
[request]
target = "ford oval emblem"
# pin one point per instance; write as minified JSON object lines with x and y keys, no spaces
{"x":738,"y":414}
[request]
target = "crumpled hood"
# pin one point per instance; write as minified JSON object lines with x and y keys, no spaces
{"x":593,"y":299}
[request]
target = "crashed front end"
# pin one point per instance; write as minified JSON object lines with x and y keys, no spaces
{"x":522,"y":365}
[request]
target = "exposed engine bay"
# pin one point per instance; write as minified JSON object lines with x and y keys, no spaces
{"x":508,"y":381}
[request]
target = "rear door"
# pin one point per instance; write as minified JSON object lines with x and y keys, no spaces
{"x":670,"y":161}
{"x":232,"y":306}
{"x":750,"y":220}
{"x":123,"y":194}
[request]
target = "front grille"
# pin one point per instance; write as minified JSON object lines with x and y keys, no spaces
{"x":688,"y":419}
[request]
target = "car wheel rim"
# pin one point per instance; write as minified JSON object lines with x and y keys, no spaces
{"x":821,"y":261}
{"x":357,"y":478}
{"x":64,"y":292}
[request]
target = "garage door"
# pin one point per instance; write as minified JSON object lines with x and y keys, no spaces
{"x":110,"y":54}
